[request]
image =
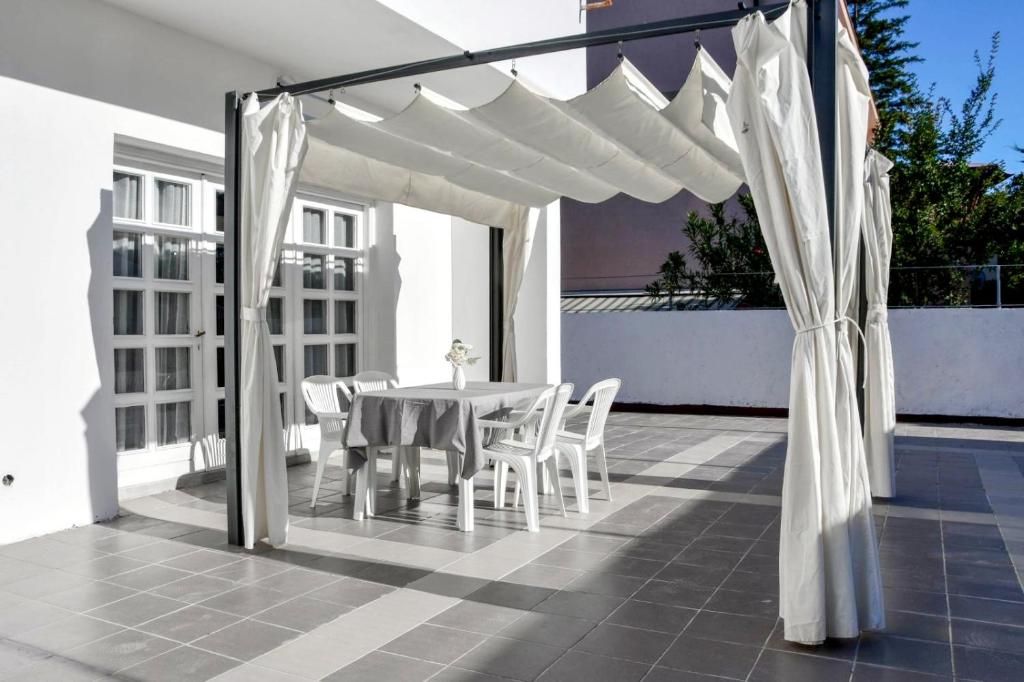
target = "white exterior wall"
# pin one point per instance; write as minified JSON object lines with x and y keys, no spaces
{"x":73,"y":75}
{"x":948,"y":361}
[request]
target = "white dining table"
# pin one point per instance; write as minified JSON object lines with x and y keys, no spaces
{"x":434,"y":416}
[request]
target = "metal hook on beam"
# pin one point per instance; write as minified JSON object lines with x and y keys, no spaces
{"x":620,"y":51}
{"x":696,"y":41}
{"x":515,"y":74}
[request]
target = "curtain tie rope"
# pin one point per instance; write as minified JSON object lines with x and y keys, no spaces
{"x":258,"y":314}
{"x":877,"y":312}
{"x":842,"y":320}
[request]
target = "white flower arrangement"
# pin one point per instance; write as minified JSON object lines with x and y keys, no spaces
{"x":458,"y":354}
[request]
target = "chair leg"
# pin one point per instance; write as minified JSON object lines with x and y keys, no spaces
{"x":396,"y":465}
{"x":500,"y":484}
{"x":453,"y":466}
{"x":528,"y":478}
{"x":359,"y":503}
{"x":411,"y":463}
{"x":552,"y":468}
{"x":516,"y":493}
{"x":349,"y":484}
{"x":602,"y":468}
{"x":371,"y":476}
{"x":578,"y":463}
{"x":326,"y":448}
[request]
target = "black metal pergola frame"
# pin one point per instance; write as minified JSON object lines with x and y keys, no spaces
{"x":822,"y":59}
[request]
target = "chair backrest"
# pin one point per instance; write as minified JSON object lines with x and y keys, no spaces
{"x":603,"y":395}
{"x":556,"y":400}
{"x":213,"y":449}
{"x":321,"y":395}
{"x":373,"y":380}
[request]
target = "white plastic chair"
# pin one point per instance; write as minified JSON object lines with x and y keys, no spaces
{"x":402,"y":457}
{"x":524,"y":457}
{"x":576,"y":446}
{"x":213,"y":449}
{"x":321,"y":396}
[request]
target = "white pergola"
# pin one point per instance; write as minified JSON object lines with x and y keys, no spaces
{"x":792,"y":125}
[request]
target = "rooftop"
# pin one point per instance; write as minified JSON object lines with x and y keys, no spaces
{"x":677,"y":573}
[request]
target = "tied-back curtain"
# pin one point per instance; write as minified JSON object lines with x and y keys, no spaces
{"x":853,"y":103}
{"x":772,"y":113}
{"x":272,"y":148}
{"x":517,"y":243}
{"x":879,"y":390}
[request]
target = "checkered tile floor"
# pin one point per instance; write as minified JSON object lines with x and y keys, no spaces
{"x":674,"y":579}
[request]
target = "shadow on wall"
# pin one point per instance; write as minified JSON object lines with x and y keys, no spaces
{"x":98,"y":413}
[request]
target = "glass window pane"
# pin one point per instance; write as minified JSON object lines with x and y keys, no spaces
{"x":127,"y":196}
{"x":313,"y":267}
{"x":344,"y":359}
{"x":313,"y":226}
{"x":314,"y":316}
{"x":130,"y":427}
{"x":171,"y":258}
{"x":172,"y":312}
{"x":344,"y":317}
{"x":314,"y":360}
{"x":218,"y":264}
{"x":345,"y":230}
{"x":173,"y":423}
{"x":222,"y":418}
{"x":279,"y":360}
{"x":276,"y":282}
{"x":275,"y":315}
{"x":129,"y":370}
{"x":127,"y":254}
{"x":218,"y":222}
{"x":219,"y":311}
{"x":172,"y":369}
{"x":344,"y":274}
{"x":220,"y":367}
{"x":173,"y":203}
{"x":128,"y":312}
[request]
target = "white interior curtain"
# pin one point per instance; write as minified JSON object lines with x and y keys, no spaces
{"x":272,"y":149}
{"x":879,"y":390}
{"x":516,"y":247}
{"x":772,"y":114}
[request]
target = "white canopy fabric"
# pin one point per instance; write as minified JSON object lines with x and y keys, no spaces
{"x":772,"y":113}
{"x":272,"y":149}
{"x":516,"y":249}
{"x":879,"y":391}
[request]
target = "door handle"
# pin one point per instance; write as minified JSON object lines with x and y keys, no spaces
{"x":201,"y":332}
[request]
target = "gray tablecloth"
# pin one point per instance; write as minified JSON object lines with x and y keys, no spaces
{"x":435,"y":416}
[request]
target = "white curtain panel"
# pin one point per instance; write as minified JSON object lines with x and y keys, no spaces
{"x":853,"y":102}
{"x":517,"y":245}
{"x":772,"y":115}
{"x":879,"y":391}
{"x":272,"y":149}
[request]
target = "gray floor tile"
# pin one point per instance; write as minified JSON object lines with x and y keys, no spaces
{"x":136,"y":609}
{"x":650,"y":616}
{"x":988,"y":610}
{"x":578,"y":666}
{"x":434,"y":643}
{"x":917,"y":626}
{"x":67,"y":634}
{"x":194,"y":588}
{"x":182,"y":665}
{"x":248,"y":571}
{"x":632,"y":644}
{"x":302,"y":613}
{"x":43,"y":582}
{"x":608,"y":584}
{"x":89,"y":596}
{"x":1009,"y":638}
{"x":453,"y":674}
{"x":710,"y":658}
{"x":120,"y":650}
{"x":476,"y":617}
{"x":297,"y":581}
{"x":511,"y":595}
{"x":784,"y":665}
{"x":908,"y":654}
{"x":579,"y":605}
{"x":873,"y":673}
{"x":675,"y":593}
{"x":246,"y":600}
{"x":189,"y":624}
{"x":512,"y":658}
{"x":351,"y":592}
{"x":659,"y":674}
{"x":988,"y":665}
{"x":148,"y":577}
{"x":549,"y":628}
{"x":729,"y":627}
{"x":17,"y":657}
{"x":202,"y":560}
{"x":245,"y":640}
{"x":378,"y":666}
{"x":21,"y":615}
{"x":105,"y":567}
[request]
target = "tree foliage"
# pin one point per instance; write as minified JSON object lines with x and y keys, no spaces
{"x":947,"y":208}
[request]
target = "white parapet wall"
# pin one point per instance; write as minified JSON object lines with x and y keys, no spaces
{"x":948,"y":361}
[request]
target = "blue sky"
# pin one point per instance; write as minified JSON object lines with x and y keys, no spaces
{"x":949,"y":31}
